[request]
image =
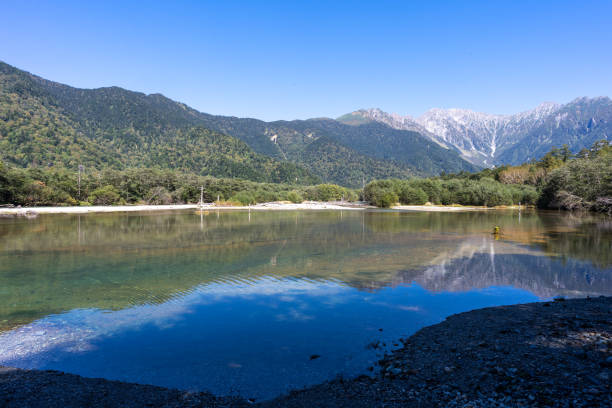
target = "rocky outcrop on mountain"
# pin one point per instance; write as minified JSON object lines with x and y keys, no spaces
{"x":488,"y":139}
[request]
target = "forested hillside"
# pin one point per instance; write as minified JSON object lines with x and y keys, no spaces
{"x":334,"y":161}
{"x":44,"y":123}
{"x":408,"y":148}
{"x":398,"y":152}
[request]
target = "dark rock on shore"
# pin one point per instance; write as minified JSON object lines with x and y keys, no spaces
{"x":54,"y":389}
{"x":553,"y":354}
{"x":549,"y":354}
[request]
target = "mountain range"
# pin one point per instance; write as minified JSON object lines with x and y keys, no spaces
{"x":45,"y":123}
{"x":487,"y":139}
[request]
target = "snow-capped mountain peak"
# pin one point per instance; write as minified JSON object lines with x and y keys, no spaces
{"x":489,"y":139}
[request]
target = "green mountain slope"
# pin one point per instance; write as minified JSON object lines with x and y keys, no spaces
{"x":399,"y":152}
{"x":43,"y":123}
{"x":332,"y":161}
{"x":47,"y":123}
{"x":403,"y":147}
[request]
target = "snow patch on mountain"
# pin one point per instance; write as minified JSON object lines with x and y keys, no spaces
{"x":488,"y":139}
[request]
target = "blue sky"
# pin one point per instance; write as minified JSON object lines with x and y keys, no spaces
{"x":288,"y":60}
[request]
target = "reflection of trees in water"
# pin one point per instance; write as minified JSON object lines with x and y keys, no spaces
{"x":113,"y":261}
{"x":588,"y":238}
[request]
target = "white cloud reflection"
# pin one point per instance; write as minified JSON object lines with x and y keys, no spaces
{"x":75,"y":331}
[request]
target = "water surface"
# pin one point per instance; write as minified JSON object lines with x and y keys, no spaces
{"x":258,"y":303}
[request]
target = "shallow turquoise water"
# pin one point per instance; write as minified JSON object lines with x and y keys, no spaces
{"x":239,"y":303}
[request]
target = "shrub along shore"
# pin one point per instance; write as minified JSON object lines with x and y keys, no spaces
{"x":559,"y":180}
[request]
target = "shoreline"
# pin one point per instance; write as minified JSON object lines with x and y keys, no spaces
{"x":272,"y":206}
{"x":446,"y":208}
{"x":556,"y":354}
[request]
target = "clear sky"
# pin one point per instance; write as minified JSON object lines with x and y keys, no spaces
{"x":289,"y":60}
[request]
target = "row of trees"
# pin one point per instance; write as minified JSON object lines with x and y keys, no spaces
{"x":582,"y":183}
{"x":560,"y":179}
{"x":485,"y":191}
{"x":41,"y":186}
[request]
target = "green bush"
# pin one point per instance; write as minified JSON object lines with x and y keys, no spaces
{"x":589,"y":179}
{"x":387,"y":199}
{"x":329,"y":192}
{"x":187,"y":194}
{"x":295,"y":197}
{"x":243,"y":198}
{"x":106,"y":195}
{"x":528,"y":195}
{"x":465,"y":191}
{"x":434,"y":189}
{"x":38,"y":193}
{"x":380,"y":194}
{"x":264,"y":196}
{"x":411,"y":195}
{"x":374,"y":190}
{"x":159,"y":196}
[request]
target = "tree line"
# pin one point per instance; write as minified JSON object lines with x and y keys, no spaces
{"x":50,"y":186}
{"x":559,"y":180}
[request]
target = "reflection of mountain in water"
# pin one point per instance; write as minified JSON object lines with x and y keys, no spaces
{"x":478,"y":265}
{"x":117,"y":261}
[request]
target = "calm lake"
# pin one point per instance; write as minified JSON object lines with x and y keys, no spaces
{"x":258,"y":303}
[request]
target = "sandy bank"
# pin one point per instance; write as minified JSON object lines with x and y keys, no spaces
{"x":307,"y":205}
{"x":546,"y":354}
{"x":25,"y":211}
{"x":93,"y":209}
{"x":440,"y":208}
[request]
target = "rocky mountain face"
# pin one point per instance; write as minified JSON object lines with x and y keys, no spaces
{"x":486,"y":139}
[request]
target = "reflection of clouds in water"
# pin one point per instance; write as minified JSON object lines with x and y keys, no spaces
{"x":410,"y":308}
{"x":269,"y":286}
{"x":294,"y":314}
{"x":407,"y":308}
{"x":75,"y":330}
{"x":297,"y":311}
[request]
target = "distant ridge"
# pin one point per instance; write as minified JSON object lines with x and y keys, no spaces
{"x":487,"y":139}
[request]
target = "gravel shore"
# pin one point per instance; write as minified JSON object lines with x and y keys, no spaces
{"x":547,"y":354}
